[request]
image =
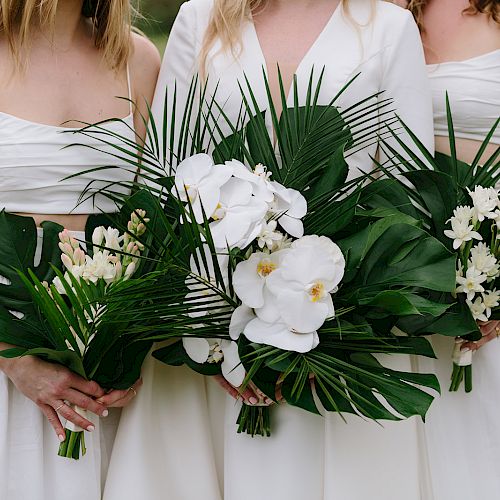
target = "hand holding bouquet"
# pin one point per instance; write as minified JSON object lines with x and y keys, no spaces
{"x":475,"y":234}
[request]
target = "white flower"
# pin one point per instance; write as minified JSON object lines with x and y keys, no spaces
{"x":485,"y":202}
{"x":217,"y":351}
{"x":491,"y":299}
{"x":471,"y":283}
{"x":280,"y":335}
{"x":100,"y":266}
{"x":288,"y":207}
{"x":478,"y":309}
{"x":198,"y":180}
{"x":269,"y":237}
{"x":463,"y":213}
{"x":482,"y":259}
{"x":461,"y":231}
{"x":258,"y":178}
{"x":239,"y":215}
{"x":251,"y":275}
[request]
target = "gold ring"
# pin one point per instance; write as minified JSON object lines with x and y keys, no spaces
{"x":59,"y":407}
{"x":497,"y":331}
{"x":133,"y":390}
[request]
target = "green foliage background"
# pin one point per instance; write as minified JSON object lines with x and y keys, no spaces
{"x":157,"y":19}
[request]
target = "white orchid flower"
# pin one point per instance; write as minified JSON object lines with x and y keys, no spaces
{"x":470,"y":284}
{"x":485,"y":201}
{"x":478,"y":309}
{"x":220,"y":351}
{"x":238,"y":216}
{"x":251,"y":275}
{"x":461,"y":232}
{"x":281,"y":336}
{"x":198,"y":180}
{"x":288,"y":207}
{"x":308,"y":274}
{"x":258,"y":178}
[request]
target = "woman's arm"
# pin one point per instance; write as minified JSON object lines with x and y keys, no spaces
{"x":405,"y":80}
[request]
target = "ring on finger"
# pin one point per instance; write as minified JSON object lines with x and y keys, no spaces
{"x":497,"y":331}
{"x":59,"y":407}
{"x":133,"y":390}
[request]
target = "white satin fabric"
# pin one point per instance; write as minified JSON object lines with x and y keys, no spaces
{"x":178,"y":439}
{"x":30,"y":468}
{"x":462,"y":431}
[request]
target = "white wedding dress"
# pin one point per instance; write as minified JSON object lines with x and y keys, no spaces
{"x":34,"y":158}
{"x":178,"y":440}
{"x":462,"y":432}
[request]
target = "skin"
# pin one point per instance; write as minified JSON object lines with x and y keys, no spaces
{"x":66,"y":69}
{"x":284,"y":48}
{"x":461,"y":37}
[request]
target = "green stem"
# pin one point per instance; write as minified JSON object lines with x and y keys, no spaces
{"x":73,"y":446}
{"x":255,"y":420}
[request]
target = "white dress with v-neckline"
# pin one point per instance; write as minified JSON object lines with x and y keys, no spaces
{"x":178,"y":439}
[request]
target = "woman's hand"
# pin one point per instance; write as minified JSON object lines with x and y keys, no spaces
{"x":50,"y":385}
{"x":490,"y":331}
{"x":251,"y":395}
{"x":120,"y":398}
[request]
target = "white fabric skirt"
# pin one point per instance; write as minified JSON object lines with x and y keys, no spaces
{"x":30,"y":468}
{"x":462,"y":431}
{"x":178,"y":441}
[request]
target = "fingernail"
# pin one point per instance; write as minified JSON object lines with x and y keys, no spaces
{"x":105,"y":413}
{"x":268,"y":401}
{"x":91,"y":428}
{"x":61,"y":437}
{"x":253,"y":401}
{"x":465,"y":349}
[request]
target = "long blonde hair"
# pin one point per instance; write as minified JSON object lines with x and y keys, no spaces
{"x":225,"y":23}
{"x":489,"y":7}
{"x":111,"y":21}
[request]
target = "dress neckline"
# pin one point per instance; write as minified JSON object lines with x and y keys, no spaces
{"x":54,"y":127}
{"x":465,"y":61}
{"x":308,"y":53}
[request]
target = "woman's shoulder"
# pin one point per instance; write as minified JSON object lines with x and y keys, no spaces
{"x":197,"y":8}
{"x":144,"y":63}
{"x":380,"y":15}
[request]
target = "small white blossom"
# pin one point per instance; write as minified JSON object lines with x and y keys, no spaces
{"x":482,"y":259}
{"x":463,"y":213}
{"x":460,"y":232}
{"x":491,"y":299}
{"x":485,"y":202}
{"x":471,"y":283}
{"x":269,"y":237}
{"x":478,"y":309}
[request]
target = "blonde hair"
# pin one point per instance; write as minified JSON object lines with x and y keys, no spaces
{"x":489,"y":7}
{"x":225,"y":23}
{"x":111,"y":21}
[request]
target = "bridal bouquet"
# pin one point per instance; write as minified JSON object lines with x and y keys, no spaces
{"x":474,"y":231}
{"x":273,"y":268}
{"x":458,"y":204}
{"x":65,"y":318}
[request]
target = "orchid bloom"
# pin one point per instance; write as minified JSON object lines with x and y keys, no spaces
{"x":198,"y":180}
{"x":239,"y":215}
{"x":289,"y":207}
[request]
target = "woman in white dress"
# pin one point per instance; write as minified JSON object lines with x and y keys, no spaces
{"x":462,"y":431}
{"x":60,"y":61}
{"x":178,"y":439}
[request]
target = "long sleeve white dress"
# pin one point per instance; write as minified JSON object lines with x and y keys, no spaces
{"x":178,"y":440}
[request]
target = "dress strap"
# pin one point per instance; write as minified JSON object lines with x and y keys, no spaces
{"x":129,"y":90}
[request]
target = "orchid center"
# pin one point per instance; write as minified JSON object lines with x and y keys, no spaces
{"x":265,"y":268}
{"x":220,"y":212}
{"x":216,"y":354}
{"x":316,"y":291}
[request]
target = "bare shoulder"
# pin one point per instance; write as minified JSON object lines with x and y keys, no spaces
{"x":145,"y":56}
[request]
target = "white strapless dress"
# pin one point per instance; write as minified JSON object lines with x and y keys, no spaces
{"x":30,"y":468}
